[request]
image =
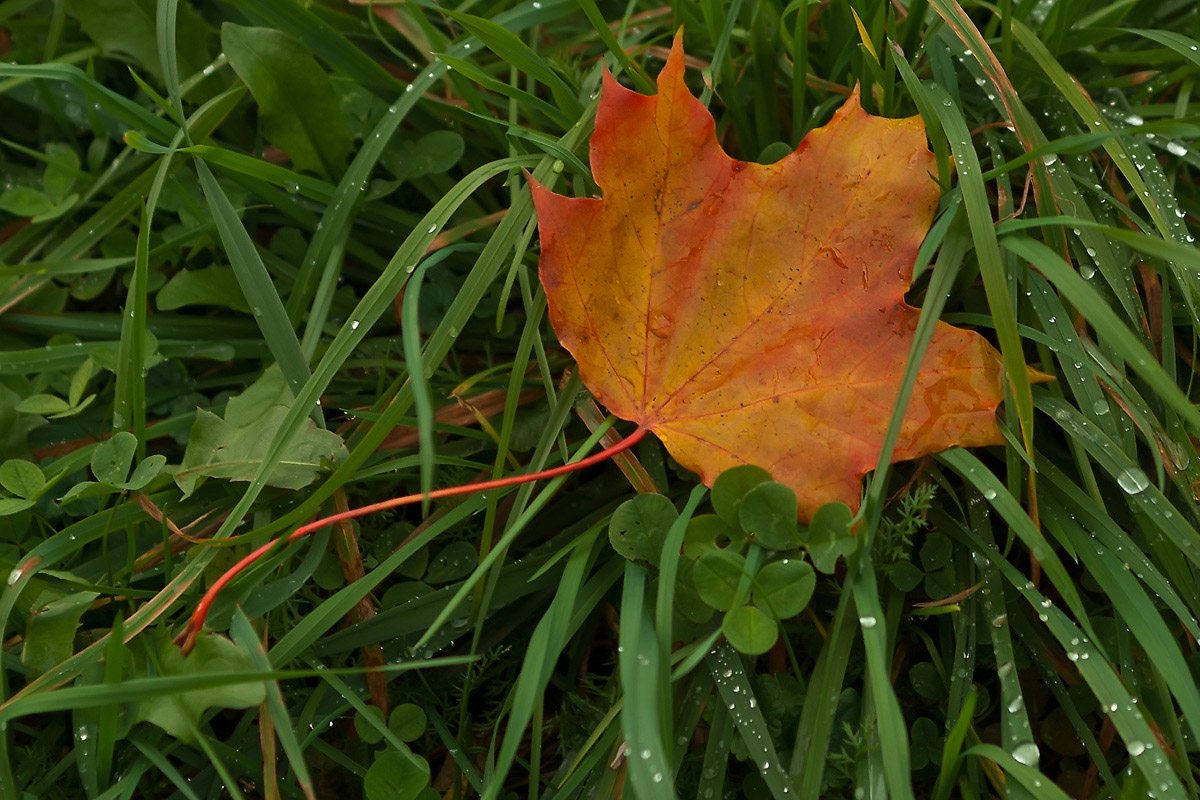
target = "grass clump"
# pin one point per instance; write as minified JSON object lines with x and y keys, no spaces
{"x":214,"y":221}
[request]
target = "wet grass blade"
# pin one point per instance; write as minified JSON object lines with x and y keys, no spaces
{"x":733,"y":686}
{"x":248,"y":640}
{"x":256,"y":283}
{"x":646,"y":751}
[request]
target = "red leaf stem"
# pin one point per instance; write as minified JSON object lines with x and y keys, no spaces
{"x":187,"y":639}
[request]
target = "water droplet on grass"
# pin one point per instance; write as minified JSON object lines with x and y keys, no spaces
{"x":1133,"y":480}
{"x":1027,"y":754}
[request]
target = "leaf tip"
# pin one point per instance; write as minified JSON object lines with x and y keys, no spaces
{"x":670,"y":80}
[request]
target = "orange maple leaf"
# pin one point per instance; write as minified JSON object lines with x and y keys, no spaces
{"x":755,"y":314}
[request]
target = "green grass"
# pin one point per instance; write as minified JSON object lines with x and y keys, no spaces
{"x":207,"y":238}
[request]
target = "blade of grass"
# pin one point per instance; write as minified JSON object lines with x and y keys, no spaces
{"x":716,"y":753}
{"x":824,"y":690}
{"x":996,"y":283}
{"x":1101,"y":678}
{"x":893,"y":743}
{"x":122,"y":107}
{"x":733,"y":686}
{"x":129,"y":401}
{"x":418,"y":378}
{"x":325,"y":42}
{"x":1137,"y":610}
{"x":668,"y":566}
{"x":247,"y":639}
{"x":647,"y":763}
{"x":513,"y":51}
{"x":544,"y":648}
{"x":600,"y":26}
{"x":952,"y":755}
{"x":1093,"y":307}
{"x":974,"y":471}
{"x":256,"y":285}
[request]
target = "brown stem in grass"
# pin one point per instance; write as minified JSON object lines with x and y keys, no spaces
{"x":352,"y":569}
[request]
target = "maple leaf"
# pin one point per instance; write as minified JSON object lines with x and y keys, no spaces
{"x":754,"y":314}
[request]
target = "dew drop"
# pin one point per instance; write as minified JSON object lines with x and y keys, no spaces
{"x":1133,"y":480}
{"x":1027,"y":754}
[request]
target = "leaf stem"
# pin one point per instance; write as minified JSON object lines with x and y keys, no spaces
{"x":187,"y":639}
